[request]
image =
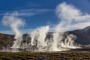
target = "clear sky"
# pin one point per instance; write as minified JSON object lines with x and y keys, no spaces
{"x":37,"y":12}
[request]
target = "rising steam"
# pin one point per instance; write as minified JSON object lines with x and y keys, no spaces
{"x":15,"y":23}
{"x":39,"y":34}
{"x":71,"y":18}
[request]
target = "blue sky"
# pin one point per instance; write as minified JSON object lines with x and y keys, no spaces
{"x":37,"y":12}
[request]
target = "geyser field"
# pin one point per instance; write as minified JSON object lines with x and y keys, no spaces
{"x":46,"y":38}
{"x":58,"y":40}
{"x":38,"y":41}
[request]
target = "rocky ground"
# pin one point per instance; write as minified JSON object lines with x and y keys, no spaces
{"x":45,"y":55}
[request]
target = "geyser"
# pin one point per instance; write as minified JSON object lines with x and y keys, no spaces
{"x":15,"y":23}
{"x":39,"y":34}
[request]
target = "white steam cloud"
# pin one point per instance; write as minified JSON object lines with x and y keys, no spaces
{"x":71,"y":18}
{"x":15,"y":23}
{"x":39,"y":34}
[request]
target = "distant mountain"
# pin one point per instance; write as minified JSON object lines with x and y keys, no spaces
{"x":83,"y":35}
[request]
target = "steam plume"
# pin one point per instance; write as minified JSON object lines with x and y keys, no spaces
{"x":15,"y":23}
{"x":71,"y":18}
{"x":40,"y":35}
